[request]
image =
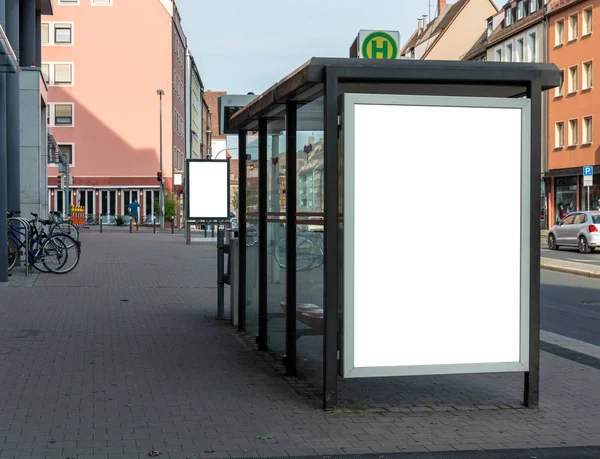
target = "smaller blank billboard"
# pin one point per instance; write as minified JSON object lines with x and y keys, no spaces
{"x":208,"y":189}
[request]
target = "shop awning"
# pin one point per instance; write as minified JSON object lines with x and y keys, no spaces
{"x":8,"y":58}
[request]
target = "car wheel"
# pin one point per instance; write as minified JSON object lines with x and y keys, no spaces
{"x":583,"y":245}
{"x":552,"y":242}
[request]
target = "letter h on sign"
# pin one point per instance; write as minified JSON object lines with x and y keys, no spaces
{"x":376,"y":50}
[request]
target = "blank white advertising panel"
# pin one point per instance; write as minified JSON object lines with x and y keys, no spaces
{"x":208,"y":189}
{"x":441,"y":285}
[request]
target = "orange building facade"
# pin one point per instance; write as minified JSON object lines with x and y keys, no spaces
{"x":573,"y":126}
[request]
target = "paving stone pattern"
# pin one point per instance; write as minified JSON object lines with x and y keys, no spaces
{"x":124,"y":355}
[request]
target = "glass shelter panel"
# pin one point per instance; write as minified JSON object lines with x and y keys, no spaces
{"x":252,"y":234}
{"x":276,"y":232}
{"x":310,"y":157}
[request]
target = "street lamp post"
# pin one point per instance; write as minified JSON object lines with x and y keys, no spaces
{"x":161,"y":193}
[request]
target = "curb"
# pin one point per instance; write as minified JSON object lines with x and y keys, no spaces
{"x":568,"y":270}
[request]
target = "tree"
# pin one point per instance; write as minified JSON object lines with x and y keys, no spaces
{"x":171,"y":207}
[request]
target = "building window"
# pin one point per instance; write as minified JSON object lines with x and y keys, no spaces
{"x":532,"y":6}
{"x":46,"y":72}
{"x":67,"y":149}
{"x":559,"y":33}
{"x":587,"y":75}
{"x":532,"y":47}
{"x":45,"y":33}
{"x":587,"y":130}
{"x":560,"y":90}
{"x":63,"y":73}
{"x":520,"y":50}
{"x":499,"y":55}
{"x":63,"y":114}
{"x":573,"y":27}
{"x":559,"y":135}
{"x":509,"y":53}
{"x":101,"y":2}
{"x":508,"y":20}
{"x":573,"y":79}
{"x":521,"y":10}
{"x":573,"y":132}
{"x":588,"y":16}
{"x":62,"y":33}
{"x":490,"y":27}
{"x":68,"y":2}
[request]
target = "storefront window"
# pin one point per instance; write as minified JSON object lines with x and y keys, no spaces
{"x":565,"y":196}
{"x":594,"y":195}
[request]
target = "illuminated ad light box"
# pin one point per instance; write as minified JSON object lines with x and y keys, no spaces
{"x":207,"y":184}
{"x":448,"y":175}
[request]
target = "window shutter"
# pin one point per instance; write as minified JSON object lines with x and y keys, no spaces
{"x":45,"y":33}
{"x":62,"y":73}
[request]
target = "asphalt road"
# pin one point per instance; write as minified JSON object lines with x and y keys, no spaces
{"x":570,"y":305}
{"x":570,"y":254}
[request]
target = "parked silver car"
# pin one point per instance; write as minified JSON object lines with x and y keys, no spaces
{"x":577,"y":229}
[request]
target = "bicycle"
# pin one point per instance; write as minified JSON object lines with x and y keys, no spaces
{"x":309,"y":254}
{"x":63,"y":225}
{"x":57,"y":253}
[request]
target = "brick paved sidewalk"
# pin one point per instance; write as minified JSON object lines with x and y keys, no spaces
{"x":84,"y":373}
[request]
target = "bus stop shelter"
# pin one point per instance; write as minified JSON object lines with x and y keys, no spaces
{"x":369,"y":167}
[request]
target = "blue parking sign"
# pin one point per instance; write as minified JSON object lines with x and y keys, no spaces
{"x":588,"y":171}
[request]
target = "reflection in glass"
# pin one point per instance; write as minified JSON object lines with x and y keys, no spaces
{"x":252,"y":234}
{"x":309,"y":241}
{"x":276,"y":206}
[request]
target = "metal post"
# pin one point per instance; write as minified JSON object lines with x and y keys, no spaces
{"x":242,"y":138}
{"x":262,"y":236}
{"x":3,"y":171}
{"x":205,"y":230}
{"x":13,"y":124}
{"x":588,"y":198}
{"x":220,"y":272}
{"x":100,"y":222}
{"x":332,"y":268}
{"x":38,"y":39}
{"x":531,"y":390}
{"x":161,"y":198}
{"x":212,"y":228}
{"x":154,"y":224}
{"x":188,"y":233}
{"x":172,"y":224}
{"x":290,"y":255}
{"x":65,"y":159}
{"x":3,"y":176}
{"x":131,"y":225}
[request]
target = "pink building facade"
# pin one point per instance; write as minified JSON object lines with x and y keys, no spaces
{"x":104,"y":61}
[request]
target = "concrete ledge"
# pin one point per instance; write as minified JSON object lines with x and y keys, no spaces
{"x":569,"y":267}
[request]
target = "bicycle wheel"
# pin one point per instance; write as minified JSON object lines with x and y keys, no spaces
{"x":35,"y":258}
{"x":304,"y":253}
{"x":61,"y":253}
{"x":67,"y":228}
{"x":13,"y":253}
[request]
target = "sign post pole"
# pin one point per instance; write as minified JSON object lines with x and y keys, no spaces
{"x":588,"y":181}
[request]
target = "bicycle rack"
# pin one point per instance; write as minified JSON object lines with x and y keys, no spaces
{"x":27,"y":227}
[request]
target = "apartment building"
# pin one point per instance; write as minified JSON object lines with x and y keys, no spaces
{"x":195,"y":148}
{"x":218,"y":142}
{"x":572,"y":122}
{"x":518,"y":33}
{"x":453,"y":31}
{"x":105,"y":104}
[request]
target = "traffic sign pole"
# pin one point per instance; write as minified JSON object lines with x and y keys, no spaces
{"x":588,"y":181}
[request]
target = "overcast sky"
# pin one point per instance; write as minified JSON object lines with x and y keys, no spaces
{"x":242,"y":46}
